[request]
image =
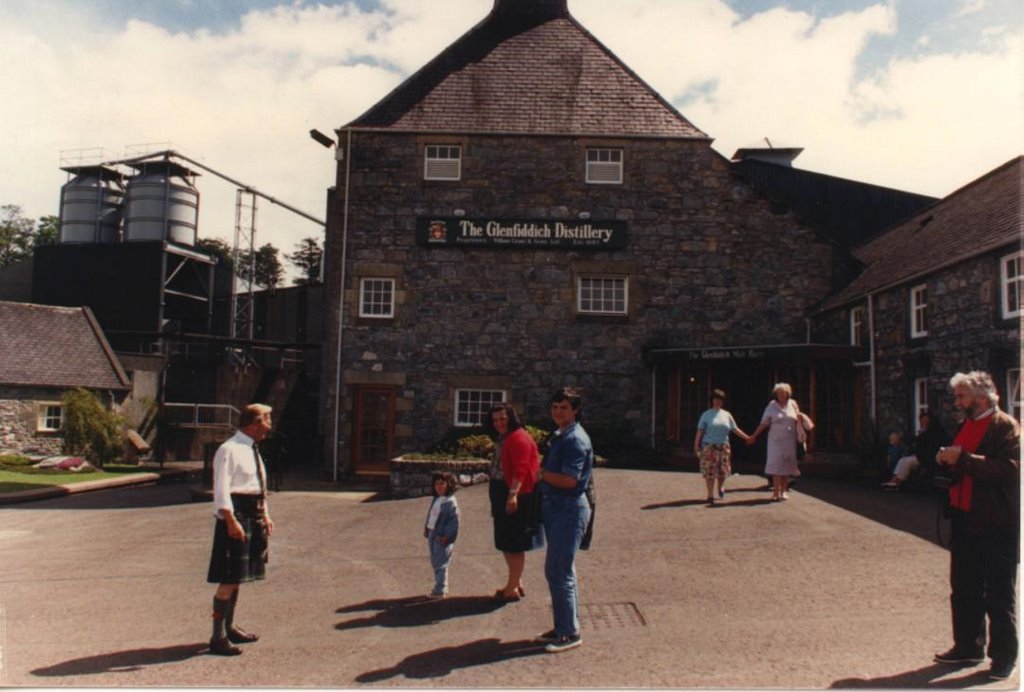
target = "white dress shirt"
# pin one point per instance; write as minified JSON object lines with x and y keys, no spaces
{"x":235,"y":471}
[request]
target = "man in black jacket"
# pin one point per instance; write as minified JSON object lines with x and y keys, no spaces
{"x":984,"y":464}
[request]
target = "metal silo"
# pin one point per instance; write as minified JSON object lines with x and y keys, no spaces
{"x":91,"y":204}
{"x":161,"y":203}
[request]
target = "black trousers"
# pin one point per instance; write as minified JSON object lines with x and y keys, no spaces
{"x":983,"y":577}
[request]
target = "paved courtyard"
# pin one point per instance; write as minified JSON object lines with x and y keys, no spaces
{"x":841,"y":586}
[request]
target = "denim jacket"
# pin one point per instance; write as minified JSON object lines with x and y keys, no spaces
{"x":447,"y":520}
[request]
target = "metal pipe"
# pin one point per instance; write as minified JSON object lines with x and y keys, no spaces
{"x":248,"y":188}
{"x":871,"y":357}
{"x":341,"y":303}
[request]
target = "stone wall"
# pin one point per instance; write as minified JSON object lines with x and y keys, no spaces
{"x":413,"y":477}
{"x":18,"y":427}
{"x":709,"y":263}
{"x":965,"y":332}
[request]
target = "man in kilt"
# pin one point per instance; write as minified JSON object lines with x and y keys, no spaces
{"x":243,"y":525}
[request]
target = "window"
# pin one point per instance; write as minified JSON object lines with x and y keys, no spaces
{"x":919,"y":311}
{"x":602,"y":295}
{"x":857,"y":327}
{"x":1012,"y":284}
{"x":471,"y":405}
{"x":1014,"y":399}
{"x":604,"y":166}
{"x":442,"y":162}
{"x":49,"y":417}
{"x":920,"y":397}
{"x":377,"y":298}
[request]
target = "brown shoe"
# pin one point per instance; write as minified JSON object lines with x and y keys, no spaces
{"x":237,"y":635}
{"x":222,"y":647}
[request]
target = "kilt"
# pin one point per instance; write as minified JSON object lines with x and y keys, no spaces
{"x":237,"y":562}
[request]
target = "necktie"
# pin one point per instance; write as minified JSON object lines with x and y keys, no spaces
{"x":259,"y":469}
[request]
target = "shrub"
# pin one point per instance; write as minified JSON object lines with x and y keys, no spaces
{"x":480,"y":446}
{"x":15,"y":461}
{"x":90,"y":430}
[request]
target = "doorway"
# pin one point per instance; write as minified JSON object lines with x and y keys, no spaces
{"x":374,"y":432}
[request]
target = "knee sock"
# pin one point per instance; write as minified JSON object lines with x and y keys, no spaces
{"x":220,"y":610}
{"x":229,"y":618}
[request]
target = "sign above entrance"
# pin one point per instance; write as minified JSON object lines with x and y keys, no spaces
{"x":521,"y":233}
{"x":728,"y":354}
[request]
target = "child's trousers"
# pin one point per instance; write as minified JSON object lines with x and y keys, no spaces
{"x":440,"y":558}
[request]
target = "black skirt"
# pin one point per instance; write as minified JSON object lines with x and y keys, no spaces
{"x":237,"y":562}
{"x":519,"y":532}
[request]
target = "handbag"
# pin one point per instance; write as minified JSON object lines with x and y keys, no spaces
{"x":801,"y":450}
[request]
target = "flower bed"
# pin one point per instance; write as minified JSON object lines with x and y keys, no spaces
{"x":412,"y":477}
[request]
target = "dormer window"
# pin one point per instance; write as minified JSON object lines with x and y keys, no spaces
{"x":604,"y":166}
{"x":442,"y":162}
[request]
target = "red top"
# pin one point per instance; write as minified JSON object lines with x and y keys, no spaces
{"x":968,"y":438}
{"x":520,"y":459}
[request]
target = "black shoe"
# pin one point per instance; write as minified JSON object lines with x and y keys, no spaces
{"x":960,"y":658}
{"x":240,"y":636}
{"x":565,"y":643}
{"x":1001,"y":671}
{"x":222,"y":647}
{"x":546,"y":637}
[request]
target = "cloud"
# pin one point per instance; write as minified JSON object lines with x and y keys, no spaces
{"x":242,"y":99}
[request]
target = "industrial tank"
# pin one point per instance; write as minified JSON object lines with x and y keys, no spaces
{"x":161,"y":204}
{"x":91,"y":204}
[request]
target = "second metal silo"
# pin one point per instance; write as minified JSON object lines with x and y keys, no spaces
{"x":161,"y":203}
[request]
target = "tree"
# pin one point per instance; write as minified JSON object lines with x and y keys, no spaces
{"x":268,"y":271}
{"x":218,"y":248}
{"x":306,"y":257}
{"x":15,"y":235}
{"x":47,"y":231}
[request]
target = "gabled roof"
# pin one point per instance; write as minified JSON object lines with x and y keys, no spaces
{"x":980,"y":217}
{"x":48,"y":346}
{"x":528,"y":68}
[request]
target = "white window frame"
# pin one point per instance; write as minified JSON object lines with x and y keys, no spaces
{"x":919,"y":311}
{"x":857,"y":326}
{"x":597,"y":294}
{"x":920,"y":398}
{"x":604,"y":165}
{"x":1014,"y":396}
{"x":372,"y":299}
{"x":471,"y":405}
{"x":442,"y":162}
{"x":1011,"y":284}
{"x":45,"y":416}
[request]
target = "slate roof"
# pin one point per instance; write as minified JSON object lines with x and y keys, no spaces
{"x":48,"y":346}
{"x":980,"y":217}
{"x":515,"y":73}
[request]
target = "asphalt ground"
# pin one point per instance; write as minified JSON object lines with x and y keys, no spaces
{"x":841,"y":586}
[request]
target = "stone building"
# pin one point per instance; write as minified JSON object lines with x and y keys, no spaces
{"x":47,"y":351}
{"x":940,"y":293}
{"x":524,"y":212}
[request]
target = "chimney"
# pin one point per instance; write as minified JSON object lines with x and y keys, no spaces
{"x":530,"y":12}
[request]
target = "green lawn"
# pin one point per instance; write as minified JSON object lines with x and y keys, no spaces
{"x":32,"y":479}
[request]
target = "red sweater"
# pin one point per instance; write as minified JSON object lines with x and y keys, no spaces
{"x":520,"y":460}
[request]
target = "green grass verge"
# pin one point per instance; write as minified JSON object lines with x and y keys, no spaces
{"x":33,"y":479}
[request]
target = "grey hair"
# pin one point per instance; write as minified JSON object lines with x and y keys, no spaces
{"x":784,"y":386}
{"x":979,"y":382}
{"x":250,"y":413}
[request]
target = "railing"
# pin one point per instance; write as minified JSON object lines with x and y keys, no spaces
{"x":200,"y":415}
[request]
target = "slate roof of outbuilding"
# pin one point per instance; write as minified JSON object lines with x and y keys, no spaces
{"x":980,"y":217}
{"x":510,"y":75}
{"x":49,"y":346}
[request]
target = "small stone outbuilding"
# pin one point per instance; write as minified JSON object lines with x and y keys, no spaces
{"x":46,"y":351}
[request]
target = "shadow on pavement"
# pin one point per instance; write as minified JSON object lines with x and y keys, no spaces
{"x":416,"y":611}
{"x":131,"y":497}
{"x":122,"y":661}
{"x":916,"y":513}
{"x":922,"y":678}
{"x":438,"y":663}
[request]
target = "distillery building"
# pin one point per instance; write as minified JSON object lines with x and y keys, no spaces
{"x":524,"y":212}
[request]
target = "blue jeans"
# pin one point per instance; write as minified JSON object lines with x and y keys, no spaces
{"x":565,"y":521}
{"x":440,"y":558}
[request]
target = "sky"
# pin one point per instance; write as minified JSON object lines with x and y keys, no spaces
{"x":920,"y":95}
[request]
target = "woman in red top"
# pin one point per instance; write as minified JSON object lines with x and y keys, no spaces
{"x":513,"y":473}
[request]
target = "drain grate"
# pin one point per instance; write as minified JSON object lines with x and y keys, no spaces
{"x":600,"y":616}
